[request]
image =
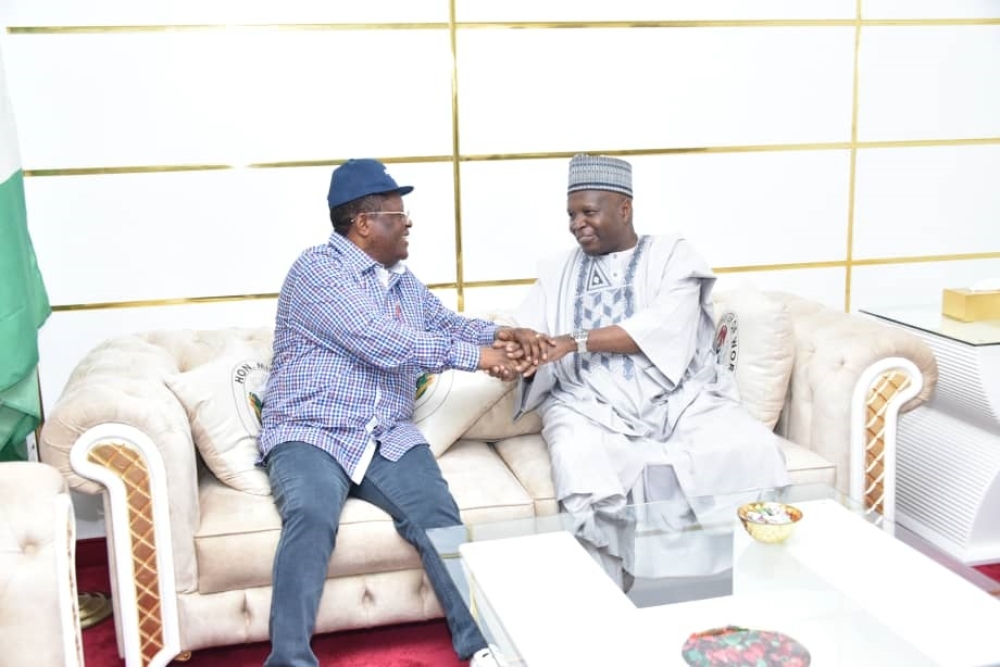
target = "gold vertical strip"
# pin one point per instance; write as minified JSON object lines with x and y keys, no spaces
{"x":455,"y":162}
{"x":41,"y":413}
{"x":852,"y":185}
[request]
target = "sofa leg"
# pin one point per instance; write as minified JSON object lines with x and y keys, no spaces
{"x":183,"y":657}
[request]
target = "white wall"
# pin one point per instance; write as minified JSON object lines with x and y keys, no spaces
{"x":178,"y":153}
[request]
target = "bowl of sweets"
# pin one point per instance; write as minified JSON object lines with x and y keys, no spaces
{"x":768,"y":521}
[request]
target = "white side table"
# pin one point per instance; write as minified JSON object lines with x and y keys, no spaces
{"x":948,"y":458}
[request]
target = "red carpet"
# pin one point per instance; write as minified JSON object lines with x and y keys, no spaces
{"x":413,"y":645}
{"x":991,"y":571}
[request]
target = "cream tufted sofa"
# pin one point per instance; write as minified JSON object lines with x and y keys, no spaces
{"x":192,"y":556}
{"x":39,"y":616}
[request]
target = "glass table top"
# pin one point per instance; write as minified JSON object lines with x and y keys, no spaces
{"x":929,"y":318}
{"x":693,"y":567}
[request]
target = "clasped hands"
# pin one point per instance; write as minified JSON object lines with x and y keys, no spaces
{"x":519,"y":351}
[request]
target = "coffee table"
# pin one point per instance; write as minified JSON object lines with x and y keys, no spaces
{"x":852,"y":592}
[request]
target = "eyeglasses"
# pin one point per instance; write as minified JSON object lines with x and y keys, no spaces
{"x":405,"y":214}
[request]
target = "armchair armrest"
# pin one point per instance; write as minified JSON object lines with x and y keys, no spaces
{"x":834,"y":354}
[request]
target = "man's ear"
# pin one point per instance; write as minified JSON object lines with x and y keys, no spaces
{"x":362,"y":225}
{"x":626,"y":208}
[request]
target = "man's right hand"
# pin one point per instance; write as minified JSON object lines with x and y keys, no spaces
{"x":523,"y":342}
{"x":496,"y":362}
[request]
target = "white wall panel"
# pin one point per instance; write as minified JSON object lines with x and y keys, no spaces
{"x":229,"y":97}
{"x":432,"y":208}
{"x":316,"y":95}
{"x":169,"y":235}
{"x":747,"y":208}
{"x":513,"y":215}
{"x":737,"y":208}
{"x":915,"y":284}
{"x":929,"y":9}
{"x":595,"y":89}
{"x":929,"y":82}
{"x":68,"y":336}
{"x":172,"y":12}
{"x":643,"y":10}
{"x":927,"y":201}
{"x":493,"y":302}
{"x":825,"y":285}
{"x":10,"y":158}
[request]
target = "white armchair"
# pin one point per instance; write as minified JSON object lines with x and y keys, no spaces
{"x":39,"y":616}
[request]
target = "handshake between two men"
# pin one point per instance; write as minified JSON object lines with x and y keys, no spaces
{"x":518,"y":352}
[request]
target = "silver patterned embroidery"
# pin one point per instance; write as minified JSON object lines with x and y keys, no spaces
{"x":599,"y":303}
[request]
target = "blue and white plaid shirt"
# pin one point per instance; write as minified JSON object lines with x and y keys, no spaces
{"x":348,"y":352}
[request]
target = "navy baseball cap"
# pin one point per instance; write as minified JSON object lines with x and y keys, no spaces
{"x":359,"y":178}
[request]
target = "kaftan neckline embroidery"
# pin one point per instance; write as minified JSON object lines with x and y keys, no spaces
{"x":601,"y":301}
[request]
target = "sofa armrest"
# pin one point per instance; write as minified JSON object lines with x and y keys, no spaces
{"x":833,"y":351}
{"x":116,"y":412}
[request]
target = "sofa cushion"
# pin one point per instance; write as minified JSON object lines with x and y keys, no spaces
{"x":239,"y":532}
{"x":806,"y":466}
{"x":527,"y":456}
{"x":483,"y":486}
{"x":755,"y":339}
{"x":498,"y":422}
{"x":448,"y":403}
{"x":223,"y":399}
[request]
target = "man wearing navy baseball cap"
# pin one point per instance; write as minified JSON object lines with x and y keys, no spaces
{"x":354,"y":331}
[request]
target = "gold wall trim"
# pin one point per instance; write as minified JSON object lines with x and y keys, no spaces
{"x":516,"y":282}
{"x":507,"y":282}
{"x":456,"y":153}
{"x":722,"y":23}
{"x":792,"y":266}
{"x":167,"y":168}
{"x":924,"y":259}
{"x":929,"y":22}
{"x":633,"y":152}
{"x":928,"y":143}
{"x":734,"y":23}
{"x":148,"y":303}
{"x":853,"y":167}
{"x":215,"y":27}
{"x":453,"y":25}
{"x":540,"y":155}
{"x":332,"y":162}
{"x":132,"y":169}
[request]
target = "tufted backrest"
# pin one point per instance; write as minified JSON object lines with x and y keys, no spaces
{"x":832,"y":349}
{"x":135,"y":394}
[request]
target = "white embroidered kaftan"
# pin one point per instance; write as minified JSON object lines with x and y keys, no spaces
{"x":610,"y":419}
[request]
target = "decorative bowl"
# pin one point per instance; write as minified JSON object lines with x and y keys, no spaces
{"x":768,"y":521}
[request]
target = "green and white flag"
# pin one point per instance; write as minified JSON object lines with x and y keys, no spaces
{"x":24,"y":304}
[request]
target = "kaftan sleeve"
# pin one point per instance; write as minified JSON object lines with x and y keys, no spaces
{"x":532,"y":314}
{"x":667,"y":329}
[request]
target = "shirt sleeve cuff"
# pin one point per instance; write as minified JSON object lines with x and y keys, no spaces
{"x":489,"y":335}
{"x":464,"y":356}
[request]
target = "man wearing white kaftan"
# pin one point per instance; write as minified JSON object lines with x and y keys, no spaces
{"x":662,"y":423}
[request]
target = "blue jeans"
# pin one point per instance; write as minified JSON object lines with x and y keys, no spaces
{"x":310,"y":489}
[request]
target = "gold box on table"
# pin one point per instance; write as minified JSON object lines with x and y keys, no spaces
{"x":971,"y":306}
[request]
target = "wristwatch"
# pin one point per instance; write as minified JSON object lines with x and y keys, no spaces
{"x":580,"y":336}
